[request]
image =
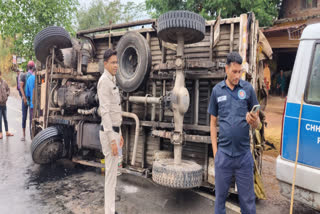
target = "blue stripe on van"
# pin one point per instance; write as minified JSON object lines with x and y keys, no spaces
{"x":309,"y":150}
{"x":309,"y":112}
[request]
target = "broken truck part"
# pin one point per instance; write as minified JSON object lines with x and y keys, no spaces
{"x":167,"y":69}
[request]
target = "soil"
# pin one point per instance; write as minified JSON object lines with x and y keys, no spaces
{"x":274,"y":112}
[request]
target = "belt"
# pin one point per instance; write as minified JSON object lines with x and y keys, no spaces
{"x":114,"y":128}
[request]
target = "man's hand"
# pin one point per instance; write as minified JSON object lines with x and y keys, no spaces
{"x":114,"y":148}
{"x":121,"y":142}
{"x":252,"y":119}
{"x":25,"y":100}
{"x":214,"y":153}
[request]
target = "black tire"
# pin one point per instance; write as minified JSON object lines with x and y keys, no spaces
{"x":191,"y":25}
{"x":186,"y":175}
{"x":134,"y":58}
{"x":49,"y":37}
{"x":47,"y":146}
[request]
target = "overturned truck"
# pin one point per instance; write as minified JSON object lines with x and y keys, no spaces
{"x":167,"y":69}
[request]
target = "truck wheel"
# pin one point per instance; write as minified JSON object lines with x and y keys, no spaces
{"x":186,"y":175}
{"x":191,"y":25}
{"x":47,"y":146}
{"x":134,"y":58}
{"x":49,"y":37}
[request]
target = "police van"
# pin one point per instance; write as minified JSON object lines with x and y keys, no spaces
{"x":304,"y":88}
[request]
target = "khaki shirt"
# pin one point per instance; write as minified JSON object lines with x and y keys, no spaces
{"x":109,"y":104}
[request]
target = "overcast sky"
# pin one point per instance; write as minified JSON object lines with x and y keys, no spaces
{"x":86,"y":3}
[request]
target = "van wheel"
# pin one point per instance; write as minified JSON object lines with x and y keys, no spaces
{"x":48,"y":38}
{"x":47,"y":146}
{"x":191,"y":25}
{"x":134,"y":58}
{"x":186,"y":175}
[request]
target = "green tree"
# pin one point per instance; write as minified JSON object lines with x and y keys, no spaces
{"x":101,"y":13}
{"x":23,"y":19}
{"x":265,"y":10}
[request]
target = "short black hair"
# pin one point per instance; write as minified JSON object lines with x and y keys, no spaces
{"x":234,"y":57}
{"x":108,"y":54}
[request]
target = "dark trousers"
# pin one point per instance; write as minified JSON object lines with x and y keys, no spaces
{"x":3,"y":113}
{"x":242,"y":168}
{"x":24,"y":114}
{"x":30,"y":118}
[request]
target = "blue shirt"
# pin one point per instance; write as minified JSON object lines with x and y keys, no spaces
{"x":29,"y":89}
{"x":232,"y":106}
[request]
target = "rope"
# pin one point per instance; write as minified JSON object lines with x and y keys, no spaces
{"x":297,"y":155}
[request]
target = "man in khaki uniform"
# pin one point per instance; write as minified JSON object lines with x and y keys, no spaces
{"x":110,"y":137}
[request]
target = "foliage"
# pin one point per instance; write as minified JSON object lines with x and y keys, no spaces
{"x":6,"y":60}
{"x":23,"y":19}
{"x":101,"y":13}
{"x":265,"y":10}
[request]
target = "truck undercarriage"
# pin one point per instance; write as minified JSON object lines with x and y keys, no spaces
{"x":167,"y":69}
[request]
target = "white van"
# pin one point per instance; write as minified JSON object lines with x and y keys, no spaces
{"x":305,"y":82}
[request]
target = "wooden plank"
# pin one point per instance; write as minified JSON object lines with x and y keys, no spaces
{"x":282,"y":41}
{"x":163,"y":54}
{"x":224,"y":21}
{"x":148,"y":37}
{"x":231,"y":37}
{"x":170,"y":46}
{"x":211,"y":41}
{"x":243,"y":37}
{"x":221,"y":53}
{"x":43,"y":96}
{"x":216,"y":33}
{"x":222,"y":48}
{"x":159,"y":53}
{"x":255,"y":70}
{"x":155,"y":42}
{"x":187,"y":50}
{"x":155,"y":48}
{"x":199,"y":44}
{"x":227,"y":42}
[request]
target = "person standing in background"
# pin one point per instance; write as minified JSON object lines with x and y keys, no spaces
{"x":29,"y":95}
{"x":18,"y":81}
{"x":267,"y":77}
{"x":4,"y":94}
{"x":23,"y":82}
{"x":281,"y":84}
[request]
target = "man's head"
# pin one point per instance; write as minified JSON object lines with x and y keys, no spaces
{"x":234,"y":68}
{"x":281,"y":72}
{"x":110,"y":61}
{"x":30,"y":65}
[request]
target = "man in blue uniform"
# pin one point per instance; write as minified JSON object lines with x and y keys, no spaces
{"x":231,"y":101}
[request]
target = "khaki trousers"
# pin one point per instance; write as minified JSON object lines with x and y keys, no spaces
{"x":111,"y":168}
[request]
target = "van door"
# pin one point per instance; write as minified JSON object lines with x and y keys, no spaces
{"x":310,"y":120}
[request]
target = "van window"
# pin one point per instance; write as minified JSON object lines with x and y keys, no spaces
{"x":313,"y":90}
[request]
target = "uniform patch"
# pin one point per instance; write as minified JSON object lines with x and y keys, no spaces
{"x":222,"y":98}
{"x":242,"y":94}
